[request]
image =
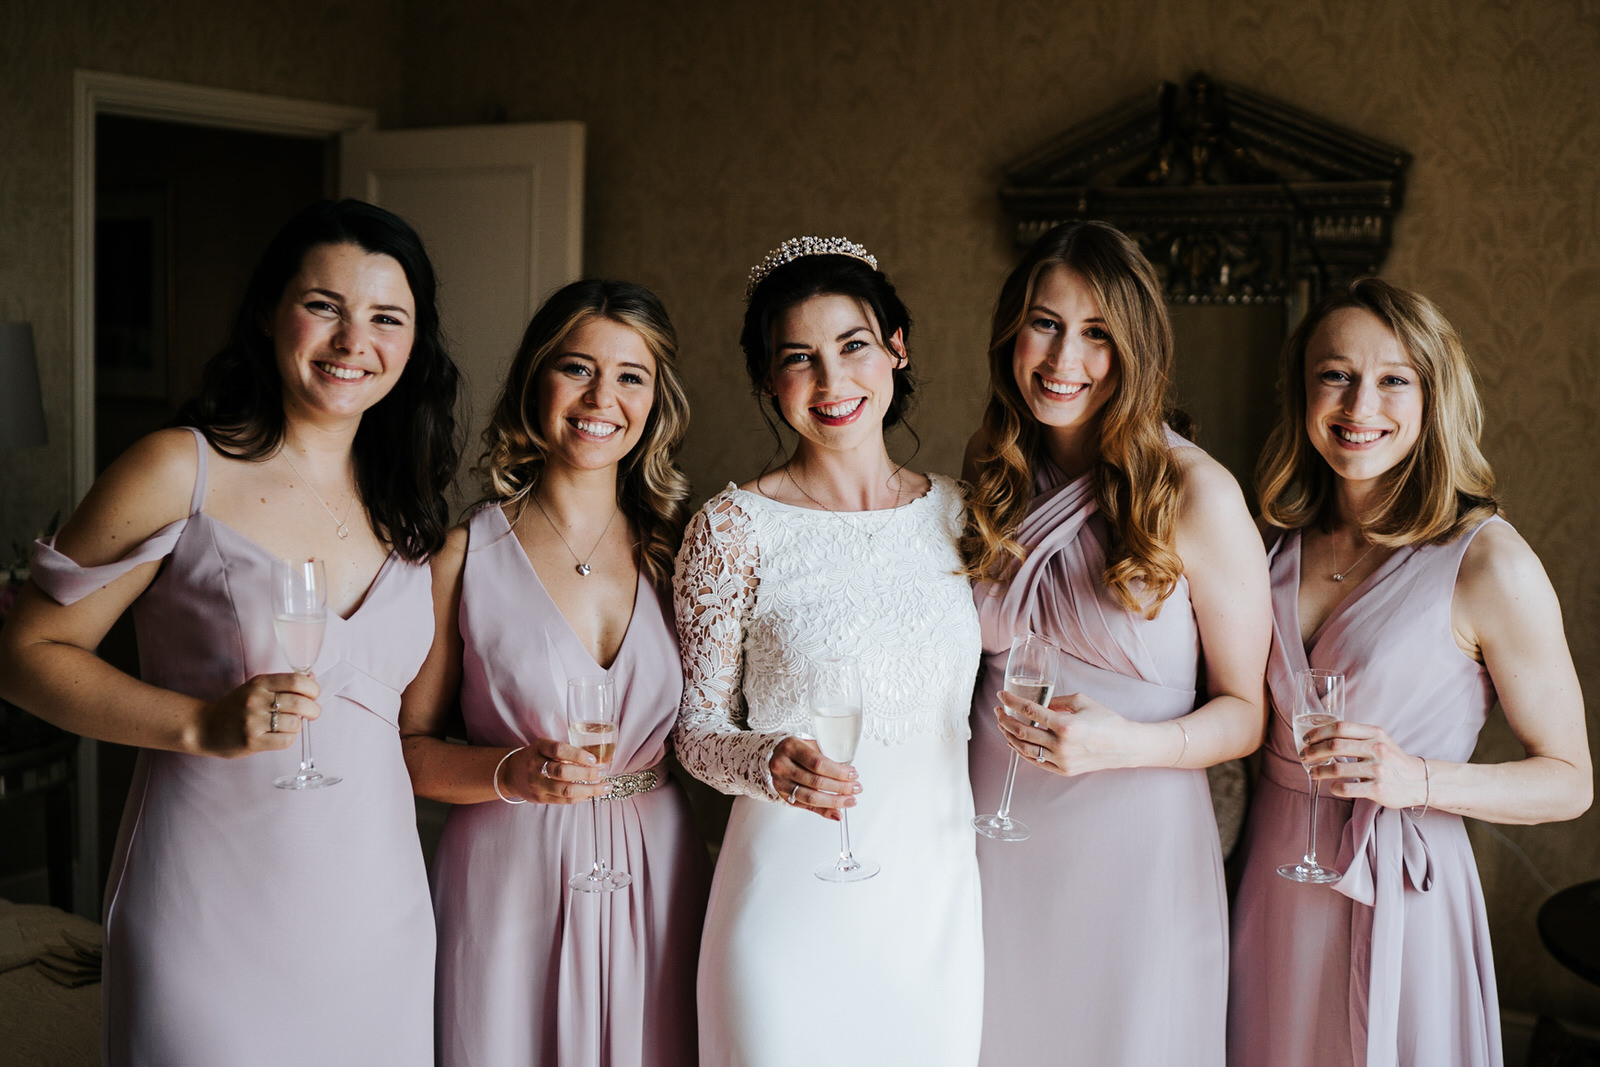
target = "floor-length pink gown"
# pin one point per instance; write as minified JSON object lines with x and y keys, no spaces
{"x":247,"y":924}
{"x":1105,"y":933}
{"x":1392,"y":964}
{"x":531,"y":972}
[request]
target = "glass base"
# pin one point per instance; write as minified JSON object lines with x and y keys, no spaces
{"x":603,"y":880}
{"x":308,"y":780}
{"x":1312,"y":874}
{"x":1001,"y":828}
{"x":851,"y":870}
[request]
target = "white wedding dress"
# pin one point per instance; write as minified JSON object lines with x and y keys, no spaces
{"x":794,"y":970}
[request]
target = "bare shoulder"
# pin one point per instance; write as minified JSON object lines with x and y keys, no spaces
{"x":451,"y":557}
{"x":1498,"y":567}
{"x":148,"y":487}
{"x":1208,"y":492}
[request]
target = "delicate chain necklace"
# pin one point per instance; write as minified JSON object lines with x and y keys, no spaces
{"x":899,"y":490}
{"x":1341,"y":573}
{"x":342,"y":528}
{"x":582,"y":567}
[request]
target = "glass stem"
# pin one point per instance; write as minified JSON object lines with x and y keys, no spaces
{"x":598,"y":868}
{"x":308,"y":763}
{"x":1311,"y":826}
{"x":845,"y":859}
{"x":1004,"y":814}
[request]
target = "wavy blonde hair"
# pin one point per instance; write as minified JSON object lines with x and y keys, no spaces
{"x":1136,"y":477}
{"x":1443,"y":488}
{"x":651,"y":491}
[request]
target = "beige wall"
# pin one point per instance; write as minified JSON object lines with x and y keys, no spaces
{"x":718,"y":128}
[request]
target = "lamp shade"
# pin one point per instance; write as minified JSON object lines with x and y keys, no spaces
{"x":21,"y":406}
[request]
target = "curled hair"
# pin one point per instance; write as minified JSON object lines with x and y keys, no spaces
{"x":406,"y":448}
{"x":1137,"y":479}
{"x":826,"y":275}
{"x":651,"y":491}
{"x":1443,"y":488}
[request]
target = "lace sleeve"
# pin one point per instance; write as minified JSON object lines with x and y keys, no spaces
{"x":714,"y":590}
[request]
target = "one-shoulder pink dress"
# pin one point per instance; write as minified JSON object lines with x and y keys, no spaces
{"x":531,"y":972}
{"x":1105,"y":933}
{"x":247,"y":924}
{"x":1390,"y":965}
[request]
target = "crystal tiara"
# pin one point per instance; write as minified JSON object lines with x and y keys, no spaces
{"x":798,"y":248}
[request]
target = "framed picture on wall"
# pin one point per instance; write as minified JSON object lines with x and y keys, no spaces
{"x":132,"y":292}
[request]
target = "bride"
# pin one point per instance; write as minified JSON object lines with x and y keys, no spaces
{"x":838,"y":552}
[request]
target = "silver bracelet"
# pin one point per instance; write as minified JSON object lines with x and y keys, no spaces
{"x":1185,"y":750}
{"x":495,"y":781}
{"x":1427,"y":790}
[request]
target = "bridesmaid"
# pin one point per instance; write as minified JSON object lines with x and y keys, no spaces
{"x":1097,"y":527}
{"x":247,"y":924}
{"x":563,"y":573}
{"x":1392,"y":565}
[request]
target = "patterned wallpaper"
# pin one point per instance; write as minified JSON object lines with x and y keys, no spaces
{"x":718,"y":128}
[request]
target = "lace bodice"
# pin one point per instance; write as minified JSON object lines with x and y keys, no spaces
{"x":764,"y":588}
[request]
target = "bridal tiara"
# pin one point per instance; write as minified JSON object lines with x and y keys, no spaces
{"x":800,"y":247}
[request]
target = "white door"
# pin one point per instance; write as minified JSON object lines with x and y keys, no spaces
{"x":500,"y":209}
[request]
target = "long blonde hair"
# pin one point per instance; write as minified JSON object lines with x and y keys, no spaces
{"x":1136,"y":477}
{"x":1443,"y":488}
{"x":651,"y":491}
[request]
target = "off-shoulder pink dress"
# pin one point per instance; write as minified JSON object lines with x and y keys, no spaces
{"x":531,"y":972}
{"x":1390,"y":965}
{"x":1105,"y":933}
{"x":247,"y":924}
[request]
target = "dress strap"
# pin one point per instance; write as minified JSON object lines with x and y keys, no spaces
{"x":197,"y":501}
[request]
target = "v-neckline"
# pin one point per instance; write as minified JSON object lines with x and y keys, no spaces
{"x":533,"y":572}
{"x":1307,"y":644}
{"x":366,"y":595}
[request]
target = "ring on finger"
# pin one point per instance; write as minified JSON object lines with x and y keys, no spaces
{"x":794,"y":792}
{"x":1039,"y":759}
{"x":272,"y":721}
{"x":544,"y":769}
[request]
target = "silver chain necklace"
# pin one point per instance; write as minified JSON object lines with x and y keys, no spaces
{"x":342,"y":528}
{"x":582,"y":567}
{"x":1340,"y":574}
{"x":899,"y":490}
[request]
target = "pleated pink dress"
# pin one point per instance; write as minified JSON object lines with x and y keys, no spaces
{"x":531,"y":972}
{"x":1391,"y":965}
{"x":1105,"y":933}
{"x":252,"y":925}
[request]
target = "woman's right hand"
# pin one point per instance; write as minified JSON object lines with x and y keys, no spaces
{"x":808,"y":779}
{"x":552,"y":772}
{"x":241,"y":723}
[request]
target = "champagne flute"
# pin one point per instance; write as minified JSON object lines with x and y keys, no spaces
{"x":1029,"y":672}
{"x":833,"y":689}
{"x":1319,"y":701}
{"x":299,"y":618}
{"x":592,"y":726}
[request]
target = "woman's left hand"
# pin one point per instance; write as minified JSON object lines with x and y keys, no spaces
{"x":1359,"y":761}
{"x":1074,"y":735}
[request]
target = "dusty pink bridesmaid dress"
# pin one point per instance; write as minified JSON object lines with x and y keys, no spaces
{"x":246,"y":924}
{"x":1105,"y":934}
{"x":531,"y":972}
{"x":1391,"y":965}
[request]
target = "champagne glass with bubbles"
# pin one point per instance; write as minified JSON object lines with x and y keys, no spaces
{"x":1030,"y":675}
{"x":1319,"y":701}
{"x":833,"y":689}
{"x":592,"y":726}
{"x":299,"y":619}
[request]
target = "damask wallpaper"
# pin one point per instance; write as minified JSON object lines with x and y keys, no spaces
{"x":718,"y":128}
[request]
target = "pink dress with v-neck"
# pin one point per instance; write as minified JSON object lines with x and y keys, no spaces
{"x":531,"y":972}
{"x":1392,"y":964}
{"x":247,"y":924}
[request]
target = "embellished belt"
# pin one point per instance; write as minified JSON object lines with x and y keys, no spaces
{"x":635,"y":782}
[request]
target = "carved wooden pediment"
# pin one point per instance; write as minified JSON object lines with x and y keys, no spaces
{"x":1236,"y":198}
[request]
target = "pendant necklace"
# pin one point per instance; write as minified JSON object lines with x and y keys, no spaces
{"x":1340,"y":574}
{"x":582,"y":567}
{"x":870,"y":533}
{"x":341,"y":527}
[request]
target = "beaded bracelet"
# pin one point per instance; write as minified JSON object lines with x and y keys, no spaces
{"x":1427,"y":790}
{"x":1185,"y":750}
{"x":496,"y":779}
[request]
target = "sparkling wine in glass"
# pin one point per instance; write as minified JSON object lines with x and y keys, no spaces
{"x":592,"y":726}
{"x":1030,"y":675}
{"x":299,"y":618}
{"x":1319,"y":701}
{"x":833,"y":689}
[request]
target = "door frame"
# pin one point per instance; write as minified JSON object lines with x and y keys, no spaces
{"x":98,"y":93}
